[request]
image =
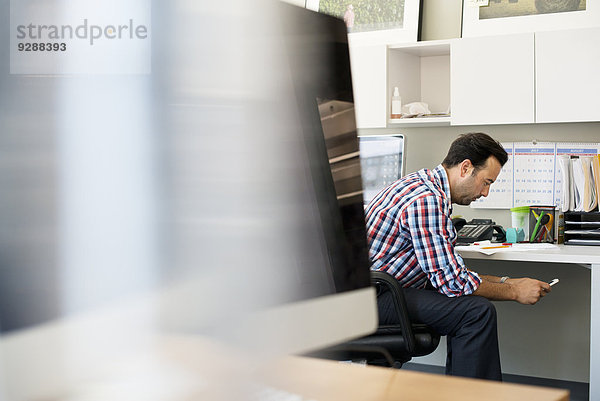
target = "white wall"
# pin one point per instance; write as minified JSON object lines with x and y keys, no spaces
{"x":426,"y":147}
{"x":441,"y":19}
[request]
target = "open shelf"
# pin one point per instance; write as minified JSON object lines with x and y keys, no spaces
{"x":421,"y":71}
{"x":420,"y":122}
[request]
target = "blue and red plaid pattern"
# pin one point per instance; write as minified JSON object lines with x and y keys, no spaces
{"x":411,"y":235}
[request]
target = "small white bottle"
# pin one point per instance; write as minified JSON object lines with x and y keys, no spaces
{"x":396,"y":104}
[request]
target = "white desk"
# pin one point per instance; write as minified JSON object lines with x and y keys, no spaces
{"x":582,"y":255}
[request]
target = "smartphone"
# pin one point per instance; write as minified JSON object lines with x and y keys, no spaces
{"x":553,"y":282}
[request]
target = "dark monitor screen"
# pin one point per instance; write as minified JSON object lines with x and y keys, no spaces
{"x":320,"y":68}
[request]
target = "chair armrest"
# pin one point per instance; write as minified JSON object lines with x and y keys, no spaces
{"x":389,"y":282}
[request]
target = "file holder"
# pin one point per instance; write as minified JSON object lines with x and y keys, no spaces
{"x":582,"y":228}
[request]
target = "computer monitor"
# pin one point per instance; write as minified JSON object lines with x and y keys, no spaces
{"x":381,"y":160}
{"x":341,"y":304}
{"x":218,"y":197}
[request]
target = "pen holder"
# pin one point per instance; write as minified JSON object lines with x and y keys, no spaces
{"x":514,"y":235}
{"x":541,"y":224}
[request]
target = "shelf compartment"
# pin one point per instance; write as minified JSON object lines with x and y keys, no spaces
{"x":582,"y":228}
{"x":421,"y":71}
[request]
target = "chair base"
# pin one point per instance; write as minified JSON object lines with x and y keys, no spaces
{"x":386,"y":347}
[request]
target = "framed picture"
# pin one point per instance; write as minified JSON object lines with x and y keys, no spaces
{"x":491,"y":17}
{"x":374,"y":21}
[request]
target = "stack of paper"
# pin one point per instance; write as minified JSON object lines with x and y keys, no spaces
{"x":583,"y":183}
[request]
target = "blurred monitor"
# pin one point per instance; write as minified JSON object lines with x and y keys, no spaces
{"x":319,"y":62}
{"x":223,"y":215}
{"x":381,"y":159}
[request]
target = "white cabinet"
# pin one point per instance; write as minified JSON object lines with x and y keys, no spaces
{"x":521,"y":78}
{"x":493,"y":80}
{"x":567,"y":75}
{"x":422,"y":74}
{"x":368,"y":64}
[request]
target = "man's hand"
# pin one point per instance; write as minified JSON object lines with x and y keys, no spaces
{"x":528,"y":291}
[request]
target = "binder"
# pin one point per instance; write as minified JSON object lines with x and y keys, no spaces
{"x":596,"y":174}
{"x":590,"y":200}
{"x":578,"y":184}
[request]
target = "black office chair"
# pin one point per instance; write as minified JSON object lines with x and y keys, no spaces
{"x":390,"y":345}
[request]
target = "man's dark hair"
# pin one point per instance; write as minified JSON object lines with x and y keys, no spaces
{"x":477,"y":147}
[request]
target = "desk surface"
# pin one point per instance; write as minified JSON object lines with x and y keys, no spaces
{"x":563,"y":254}
{"x":42,"y":364}
{"x":332,"y":381}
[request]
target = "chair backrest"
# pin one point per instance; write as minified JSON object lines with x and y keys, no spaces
{"x":383,"y":280}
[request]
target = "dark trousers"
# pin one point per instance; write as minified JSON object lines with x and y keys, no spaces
{"x":469,"y":322}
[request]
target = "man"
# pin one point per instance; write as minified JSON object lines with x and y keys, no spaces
{"x":412,"y":238}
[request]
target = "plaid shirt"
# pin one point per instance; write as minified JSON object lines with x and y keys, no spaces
{"x":411,"y":235}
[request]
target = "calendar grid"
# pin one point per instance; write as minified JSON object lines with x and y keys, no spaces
{"x":531,"y":176}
